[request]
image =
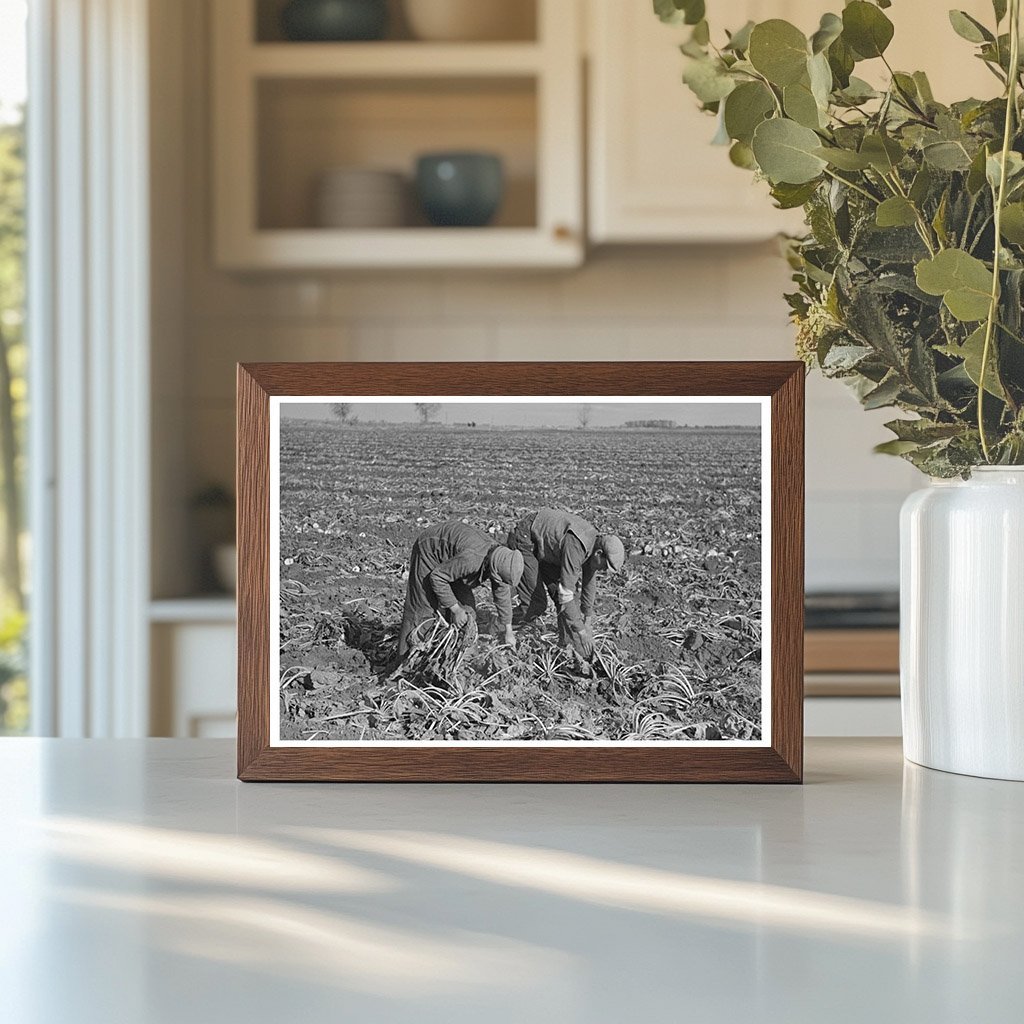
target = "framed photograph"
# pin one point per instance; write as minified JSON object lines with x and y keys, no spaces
{"x":518,"y":572}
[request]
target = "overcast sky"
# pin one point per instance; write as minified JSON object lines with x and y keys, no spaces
{"x":544,"y":414}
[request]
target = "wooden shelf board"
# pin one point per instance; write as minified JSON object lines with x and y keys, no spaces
{"x":393,"y":60}
{"x":402,"y":247}
{"x":205,"y":608}
{"x":852,"y":650}
{"x":851,"y":684}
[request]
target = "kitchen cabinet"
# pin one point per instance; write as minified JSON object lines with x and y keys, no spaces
{"x":286,"y":113}
{"x":653,"y":175}
{"x":192,"y":652}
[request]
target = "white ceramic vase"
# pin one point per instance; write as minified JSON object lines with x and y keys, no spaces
{"x":962,"y":624}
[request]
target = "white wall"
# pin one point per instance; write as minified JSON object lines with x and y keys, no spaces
{"x":701,"y":303}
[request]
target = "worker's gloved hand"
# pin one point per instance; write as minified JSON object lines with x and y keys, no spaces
{"x":510,"y":638}
{"x":583,"y":641}
{"x":460,"y":616}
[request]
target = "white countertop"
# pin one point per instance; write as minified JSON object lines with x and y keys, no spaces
{"x":143,"y":885}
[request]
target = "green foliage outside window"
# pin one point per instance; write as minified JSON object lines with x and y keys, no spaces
{"x":13,"y":411}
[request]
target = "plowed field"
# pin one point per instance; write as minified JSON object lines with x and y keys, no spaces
{"x":678,"y":631}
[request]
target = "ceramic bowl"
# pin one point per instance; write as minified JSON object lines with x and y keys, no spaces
{"x":460,"y":189}
{"x":334,"y":20}
{"x":358,"y":197}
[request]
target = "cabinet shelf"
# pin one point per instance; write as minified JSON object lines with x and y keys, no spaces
{"x":310,"y":248}
{"x":393,"y":60}
{"x":285,"y":114}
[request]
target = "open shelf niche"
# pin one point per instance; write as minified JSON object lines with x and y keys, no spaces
{"x":286,"y":113}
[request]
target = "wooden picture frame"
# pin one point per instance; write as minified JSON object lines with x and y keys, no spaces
{"x":779,"y":758}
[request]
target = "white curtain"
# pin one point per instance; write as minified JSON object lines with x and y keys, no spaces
{"x":88,"y":320}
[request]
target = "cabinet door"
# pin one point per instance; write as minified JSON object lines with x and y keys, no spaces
{"x":654,"y":175}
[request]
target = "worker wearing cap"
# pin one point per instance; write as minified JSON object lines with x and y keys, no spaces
{"x":562,"y":555}
{"x":447,"y":562}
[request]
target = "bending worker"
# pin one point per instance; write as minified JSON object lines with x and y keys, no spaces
{"x":447,"y":562}
{"x":562,"y":555}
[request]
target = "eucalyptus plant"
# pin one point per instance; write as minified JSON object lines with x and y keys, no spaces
{"x":910,"y":278}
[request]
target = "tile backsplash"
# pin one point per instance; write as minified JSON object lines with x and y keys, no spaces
{"x":702,"y":303}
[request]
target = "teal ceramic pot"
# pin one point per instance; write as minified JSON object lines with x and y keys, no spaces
{"x":333,"y":21}
{"x":461,"y":190}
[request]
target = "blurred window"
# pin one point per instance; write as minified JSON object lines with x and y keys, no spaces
{"x":14,"y":547}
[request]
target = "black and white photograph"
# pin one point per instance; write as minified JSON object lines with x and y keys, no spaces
{"x":533,"y":571}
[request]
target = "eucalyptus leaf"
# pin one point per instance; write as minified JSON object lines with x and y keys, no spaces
{"x":923,"y":431}
{"x":969,"y":28}
{"x":829,"y":30}
{"x":1013,"y":223}
{"x":789,"y":197}
{"x":866,"y":29}
{"x":779,"y":51}
{"x":1014,"y":169}
{"x":883,"y":153}
{"x":708,"y":80}
{"x":922,"y":185}
{"x":884,"y":395}
{"x":741,"y":155}
{"x":895,"y":213}
{"x":739,"y":41}
{"x":800,"y":105}
{"x":972,"y":352}
{"x":896,"y":447}
{"x":924,"y":87}
{"x":819,"y":75}
{"x":745,"y":108}
{"x":721,"y":136}
{"x":906,"y":87}
{"x":947,"y":156}
{"x":976,"y":178}
{"x":963,"y":281}
{"x":675,"y":12}
{"x":842,"y":61}
{"x":786,"y":152}
{"x":858,"y":91}
{"x":844,"y":159}
{"x":939,"y":220}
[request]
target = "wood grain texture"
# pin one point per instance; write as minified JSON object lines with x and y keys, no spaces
{"x":252,"y":487}
{"x":787,"y":598}
{"x":680,"y":762}
{"x":852,"y":650}
{"x":850,"y":684}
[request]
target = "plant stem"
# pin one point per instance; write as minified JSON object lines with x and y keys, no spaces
{"x":856,"y":188}
{"x":923,"y":228}
{"x":771,"y":89}
{"x":1000,"y":199}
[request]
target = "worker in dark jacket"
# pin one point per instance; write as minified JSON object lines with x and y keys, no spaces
{"x":447,"y":562}
{"x":562,"y":555}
